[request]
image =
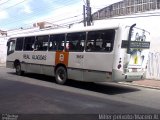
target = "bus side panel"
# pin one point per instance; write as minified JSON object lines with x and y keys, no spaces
{"x":40,"y":62}
{"x":50,"y":64}
{"x":97,"y":66}
{"x":12,"y":57}
{"x":75,"y":65}
{"x":122,"y":34}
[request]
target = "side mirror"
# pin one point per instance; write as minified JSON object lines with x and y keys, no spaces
{"x":129,"y":38}
{"x":7,"y":43}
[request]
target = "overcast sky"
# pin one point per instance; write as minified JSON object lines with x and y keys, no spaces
{"x":19,"y":13}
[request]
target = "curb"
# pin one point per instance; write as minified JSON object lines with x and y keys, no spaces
{"x":2,"y":66}
{"x":145,"y":86}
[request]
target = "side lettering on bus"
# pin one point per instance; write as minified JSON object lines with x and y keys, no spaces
{"x":39,"y":57}
{"x":35,"y":57}
{"x":80,"y":56}
{"x":26,"y":56}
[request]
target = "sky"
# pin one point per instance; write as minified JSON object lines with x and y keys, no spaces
{"x":23,"y":13}
{"x":15,"y":14}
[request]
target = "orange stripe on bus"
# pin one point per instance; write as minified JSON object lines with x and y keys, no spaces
{"x":62,"y":57}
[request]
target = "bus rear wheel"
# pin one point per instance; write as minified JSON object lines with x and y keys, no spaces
{"x":61,"y":75}
{"x":18,"y":69}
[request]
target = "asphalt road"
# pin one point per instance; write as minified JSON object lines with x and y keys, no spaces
{"x":39,"y":94}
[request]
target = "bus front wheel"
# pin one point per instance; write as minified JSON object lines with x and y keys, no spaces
{"x":61,"y":75}
{"x":18,"y":69}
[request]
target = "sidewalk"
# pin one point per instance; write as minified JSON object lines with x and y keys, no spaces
{"x":154,"y":84}
{"x":2,"y":65}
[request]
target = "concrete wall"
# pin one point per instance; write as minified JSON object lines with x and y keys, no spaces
{"x":153,"y":69}
{"x":3,"y":50}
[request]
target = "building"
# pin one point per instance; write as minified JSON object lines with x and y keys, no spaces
{"x":126,"y":7}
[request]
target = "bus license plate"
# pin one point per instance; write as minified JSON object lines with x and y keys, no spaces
{"x":134,"y":69}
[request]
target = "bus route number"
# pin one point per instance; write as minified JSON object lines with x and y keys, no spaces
{"x":61,"y":57}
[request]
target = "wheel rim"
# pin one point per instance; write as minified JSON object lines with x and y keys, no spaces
{"x":61,"y":75}
{"x":18,"y":69}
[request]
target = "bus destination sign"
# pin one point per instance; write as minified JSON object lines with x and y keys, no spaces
{"x":136,"y":44}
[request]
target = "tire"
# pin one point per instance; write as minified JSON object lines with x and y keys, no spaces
{"x":18,"y":69}
{"x":61,"y":75}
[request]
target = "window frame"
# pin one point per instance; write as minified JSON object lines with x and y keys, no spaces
{"x":39,"y":41}
{"x":33,"y":44}
{"x":57,"y":42}
{"x":112,"y":42}
{"x":22,"y":44}
{"x":83,"y":46}
{"x":9,"y":45}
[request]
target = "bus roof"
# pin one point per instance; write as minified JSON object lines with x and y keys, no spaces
{"x":66,"y":30}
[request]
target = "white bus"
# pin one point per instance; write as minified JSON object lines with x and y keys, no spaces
{"x":109,"y":53}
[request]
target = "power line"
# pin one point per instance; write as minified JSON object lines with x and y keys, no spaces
{"x":84,"y":2}
{"x":14,"y":5}
{"x":105,"y":19}
{"x":59,"y":19}
{"x":56,"y":8}
{"x":4,"y":2}
{"x":68,"y":18}
{"x":71,"y":22}
{"x":25,"y":0}
{"x":38,"y":12}
{"x":126,"y":17}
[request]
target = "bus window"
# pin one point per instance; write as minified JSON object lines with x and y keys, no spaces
{"x":29,"y":43}
{"x":75,"y":41}
{"x":19,"y":44}
{"x":41,"y":43}
{"x":100,"y":41}
{"x":56,"y":42}
{"x":11,"y":47}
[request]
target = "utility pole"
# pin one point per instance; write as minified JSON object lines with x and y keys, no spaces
{"x":87,"y":13}
{"x":84,"y":15}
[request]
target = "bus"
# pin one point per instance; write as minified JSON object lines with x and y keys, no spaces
{"x":108,"y":53}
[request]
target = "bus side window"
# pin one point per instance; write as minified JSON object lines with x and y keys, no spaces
{"x":41,"y":43}
{"x":29,"y":43}
{"x":56,"y":42}
{"x":19,"y":44}
{"x":90,"y":47}
{"x":52,"y":46}
{"x":75,"y":41}
{"x":100,"y":41}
